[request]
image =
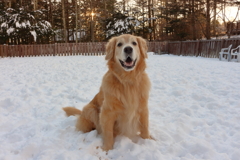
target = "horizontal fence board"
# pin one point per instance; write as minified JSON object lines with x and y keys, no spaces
{"x":203,"y":48}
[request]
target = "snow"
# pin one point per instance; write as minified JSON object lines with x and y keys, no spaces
{"x":18,"y":25}
{"x":10,"y":30}
{"x":23,"y":24}
{"x":34,"y":34}
{"x":120,"y":25}
{"x":4,"y":25}
{"x":194,"y":109}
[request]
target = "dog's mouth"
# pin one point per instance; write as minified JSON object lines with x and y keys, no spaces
{"x":129,"y":63}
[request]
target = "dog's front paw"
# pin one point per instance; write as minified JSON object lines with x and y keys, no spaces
{"x":147,"y":136}
{"x":106,"y":148}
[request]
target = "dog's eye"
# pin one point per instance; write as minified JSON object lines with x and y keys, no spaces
{"x":134,"y":43}
{"x":119,"y":44}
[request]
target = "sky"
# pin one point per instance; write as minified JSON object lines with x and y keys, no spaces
{"x":231,"y":13}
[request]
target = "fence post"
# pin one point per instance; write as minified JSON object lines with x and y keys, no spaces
{"x":167,"y":48}
{"x":180,"y":48}
{"x":53,"y":47}
{"x":197,"y":49}
{"x":6,"y":47}
{"x":1,"y":51}
{"x":70,"y":49}
{"x":222,"y":43}
{"x":33,"y":52}
{"x":208,"y":50}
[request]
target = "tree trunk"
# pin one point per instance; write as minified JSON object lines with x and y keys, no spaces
{"x":64,"y":22}
{"x":76,"y":14}
{"x":149,"y":19}
{"x":208,"y":20}
{"x":80,"y":22}
{"x":193,"y":21}
{"x":35,"y":5}
{"x":214,"y":17}
{"x":10,"y":4}
{"x":153,"y":23}
{"x":184,"y":6}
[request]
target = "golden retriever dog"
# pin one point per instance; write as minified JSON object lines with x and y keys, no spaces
{"x":121,"y":105}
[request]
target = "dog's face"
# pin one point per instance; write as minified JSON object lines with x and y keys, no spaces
{"x":126,"y":50}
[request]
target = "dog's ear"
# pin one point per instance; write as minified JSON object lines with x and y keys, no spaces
{"x":142,"y":44}
{"x":110,"y":48}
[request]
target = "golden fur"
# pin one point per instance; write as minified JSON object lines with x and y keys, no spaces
{"x":121,"y":105}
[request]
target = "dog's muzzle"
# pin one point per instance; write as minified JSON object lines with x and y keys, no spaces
{"x":128,"y":63}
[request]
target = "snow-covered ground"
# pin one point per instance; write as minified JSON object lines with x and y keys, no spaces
{"x":194,"y":109}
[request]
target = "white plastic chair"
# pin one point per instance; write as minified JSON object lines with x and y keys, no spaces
{"x":236,"y":52}
{"x":225,"y":51}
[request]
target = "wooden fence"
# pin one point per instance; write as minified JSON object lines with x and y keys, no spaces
{"x":208,"y":48}
{"x":203,"y":48}
{"x":62,"y":49}
{"x":58,"y":49}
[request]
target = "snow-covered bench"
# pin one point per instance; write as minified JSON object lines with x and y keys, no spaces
{"x":225,"y":51}
{"x":236,"y":52}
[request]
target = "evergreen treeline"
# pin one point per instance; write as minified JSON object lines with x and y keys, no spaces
{"x":50,"y":21}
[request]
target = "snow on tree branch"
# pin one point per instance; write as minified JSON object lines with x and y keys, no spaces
{"x":23,"y":25}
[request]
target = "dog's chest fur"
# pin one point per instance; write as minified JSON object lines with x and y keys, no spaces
{"x":128,"y":120}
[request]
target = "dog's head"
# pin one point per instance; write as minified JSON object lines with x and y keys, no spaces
{"x":126,"y":50}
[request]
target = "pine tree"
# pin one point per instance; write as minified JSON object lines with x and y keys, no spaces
{"x":21,"y":27}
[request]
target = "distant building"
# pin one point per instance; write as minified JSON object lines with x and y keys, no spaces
{"x":233,"y":28}
{"x":71,"y":37}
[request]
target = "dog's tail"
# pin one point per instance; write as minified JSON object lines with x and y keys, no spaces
{"x":71,"y":111}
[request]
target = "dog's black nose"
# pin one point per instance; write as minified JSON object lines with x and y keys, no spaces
{"x":128,"y":50}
